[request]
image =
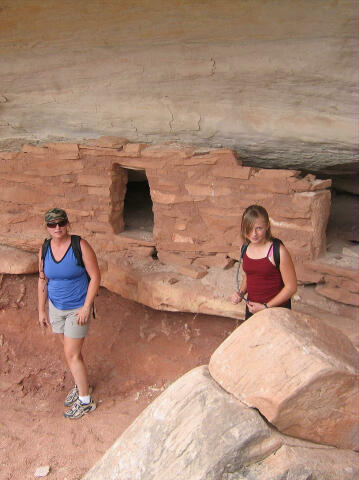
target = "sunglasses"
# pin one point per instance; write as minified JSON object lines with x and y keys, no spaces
{"x":60,"y":224}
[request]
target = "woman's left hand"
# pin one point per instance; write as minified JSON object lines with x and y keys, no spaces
{"x":83,"y":315}
{"x":255,"y":307}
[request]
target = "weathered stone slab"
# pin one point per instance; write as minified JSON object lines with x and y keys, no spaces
{"x":34,"y":149}
{"x":16,"y":261}
{"x":307,"y":276}
{"x":161,"y":197}
{"x":309,"y":296}
{"x":199,"y":160}
{"x":336,"y":265}
{"x":302,"y":462}
{"x":94,"y":226}
{"x":173,"y":258}
{"x":230,"y":172}
{"x":27,"y":194}
{"x":93,"y":180}
{"x":192,"y":271}
{"x":206,"y":190}
{"x":309,"y":182}
{"x":151,"y":283}
{"x":301,"y":374}
{"x":134,"y":149}
{"x":49,"y":167}
{"x":220,"y":260}
{"x":339,"y":294}
{"x":178,"y":238}
{"x":7,"y":156}
{"x":164,"y":151}
{"x":63,"y":150}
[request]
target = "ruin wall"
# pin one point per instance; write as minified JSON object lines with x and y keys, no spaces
{"x":198,"y":198}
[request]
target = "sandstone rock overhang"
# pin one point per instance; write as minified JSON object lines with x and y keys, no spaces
{"x":275,"y":81}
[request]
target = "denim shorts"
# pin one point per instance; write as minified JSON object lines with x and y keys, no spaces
{"x":65,"y":321}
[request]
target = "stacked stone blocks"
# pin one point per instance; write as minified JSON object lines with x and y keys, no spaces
{"x":198,"y":198}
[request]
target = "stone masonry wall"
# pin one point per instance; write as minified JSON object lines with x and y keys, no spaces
{"x":198,"y":198}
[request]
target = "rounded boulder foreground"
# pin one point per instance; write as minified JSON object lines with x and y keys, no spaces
{"x":301,"y":374}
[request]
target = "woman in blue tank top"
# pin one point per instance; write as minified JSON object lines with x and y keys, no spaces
{"x":70,"y":289}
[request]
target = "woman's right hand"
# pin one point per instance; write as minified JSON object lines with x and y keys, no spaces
{"x":236,"y":298}
{"x":43,"y":321}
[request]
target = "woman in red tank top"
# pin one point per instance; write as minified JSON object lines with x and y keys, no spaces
{"x":266,"y":285}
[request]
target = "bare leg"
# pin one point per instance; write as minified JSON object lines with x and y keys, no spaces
{"x":75,"y":361}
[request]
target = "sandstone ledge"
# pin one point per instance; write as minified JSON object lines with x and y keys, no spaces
{"x":172,"y":287}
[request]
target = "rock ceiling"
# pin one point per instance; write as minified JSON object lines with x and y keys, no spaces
{"x":273,"y":80}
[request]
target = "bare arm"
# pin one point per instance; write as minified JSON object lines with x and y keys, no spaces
{"x":42,"y":295}
{"x":289,"y":277}
{"x":238,"y":296}
{"x":92,"y":268}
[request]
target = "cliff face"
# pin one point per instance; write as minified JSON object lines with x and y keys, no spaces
{"x":273,"y":80}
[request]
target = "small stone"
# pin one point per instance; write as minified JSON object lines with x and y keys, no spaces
{"x":42,"y":471}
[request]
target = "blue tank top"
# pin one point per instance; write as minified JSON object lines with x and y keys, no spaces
{"x":67,"y":282}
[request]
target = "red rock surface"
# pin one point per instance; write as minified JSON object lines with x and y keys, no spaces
{"x":133,"y":353}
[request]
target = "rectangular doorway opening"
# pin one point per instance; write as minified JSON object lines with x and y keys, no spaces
{"x":137,"y":210}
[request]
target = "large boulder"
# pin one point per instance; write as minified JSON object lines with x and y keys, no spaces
{"x":197,"y":431}
{"x":194,"y":430}
{"x":301,"y":374}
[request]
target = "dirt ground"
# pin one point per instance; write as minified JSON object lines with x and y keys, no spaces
{"x":133,"y":353}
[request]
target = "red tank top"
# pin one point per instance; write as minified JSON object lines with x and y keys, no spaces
{"x":264,"y":280}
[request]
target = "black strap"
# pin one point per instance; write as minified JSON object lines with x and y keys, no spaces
{"x":243,"y":249}
{"x":76,"y":247}
{"x":44,"y":248}
{"x":276,"y":251}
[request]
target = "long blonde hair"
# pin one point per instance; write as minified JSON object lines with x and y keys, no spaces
{"x":250,"y":215}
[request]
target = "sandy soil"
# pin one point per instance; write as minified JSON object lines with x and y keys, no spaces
{"x":133,"y":353}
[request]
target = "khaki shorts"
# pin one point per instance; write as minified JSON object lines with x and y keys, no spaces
{"x":65,"y":321}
